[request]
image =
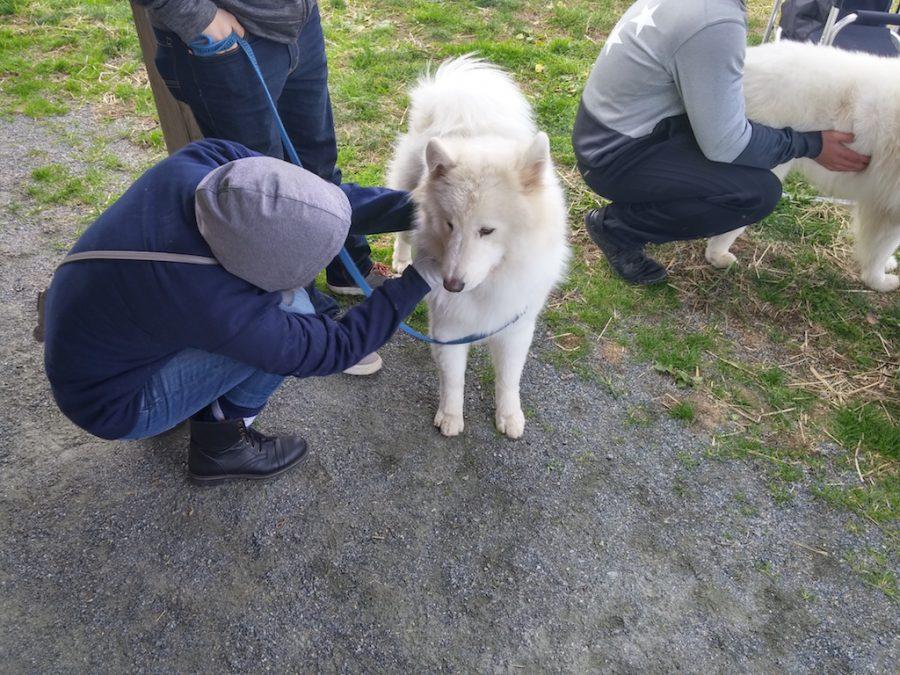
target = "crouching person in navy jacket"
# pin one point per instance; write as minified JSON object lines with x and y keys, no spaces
{"x":136,"y":346}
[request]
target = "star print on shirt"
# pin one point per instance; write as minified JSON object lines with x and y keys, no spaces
{"x":614,"y":38}
{"x":642,"y":21}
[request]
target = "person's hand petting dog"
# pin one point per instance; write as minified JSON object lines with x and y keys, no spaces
{"x":224,"y":24}
{"x":836,"y":156}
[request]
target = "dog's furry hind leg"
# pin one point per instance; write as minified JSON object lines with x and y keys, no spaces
{"x":402,"y":252}
{"x":718,"y":253}
{"x":451,"y":363}
{"x":509,"y":350}
{"x":717,"y":248}
{"x":877,"y":237}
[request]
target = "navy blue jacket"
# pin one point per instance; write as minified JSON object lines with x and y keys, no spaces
{"x":111,"y":324}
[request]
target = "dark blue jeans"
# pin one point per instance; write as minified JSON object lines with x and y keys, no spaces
{"x":664,"y":189}
{"x":193,"y":379}
{"x":224,"y":94}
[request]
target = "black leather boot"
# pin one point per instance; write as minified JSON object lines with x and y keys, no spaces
{"x":222,"y":451}
{"x":628,"y":261}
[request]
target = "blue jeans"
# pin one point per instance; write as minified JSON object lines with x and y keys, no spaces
{"x":223,"y":92}
{"x":193,"y":379}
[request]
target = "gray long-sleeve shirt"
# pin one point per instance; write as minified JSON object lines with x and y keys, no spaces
{"x":673,"y":57}
{"x":278,"y":21}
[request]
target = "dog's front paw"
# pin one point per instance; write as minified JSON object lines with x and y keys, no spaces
{"x":448,"y":423}
{"x":399,"y":264}
{"x":891,"y":264}
{"x":884,"y":283}
{"x":511,"y":423}
{"x":720,"y":259}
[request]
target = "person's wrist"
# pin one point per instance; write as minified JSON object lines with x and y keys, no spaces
{"x":414,"y":276}
{"x":816,"y":144}
{"x":429,"y":271}
{"x":205,"y":17}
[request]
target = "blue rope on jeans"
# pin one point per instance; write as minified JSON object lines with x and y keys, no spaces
{"x":205,"y":46}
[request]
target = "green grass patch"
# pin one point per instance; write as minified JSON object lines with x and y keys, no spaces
{"x":60,"y":54}
{"x":876,"y":569}
{"x":675,"y":353}
{"x":867,"y":426}
{"x":684,"y":411}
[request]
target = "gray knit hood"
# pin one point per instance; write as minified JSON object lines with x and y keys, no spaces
{"x":271,"y":223}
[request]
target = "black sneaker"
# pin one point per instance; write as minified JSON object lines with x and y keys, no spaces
{"x":377,"y":276}
{"x":223,"y":451}
{"x":629,"y":262}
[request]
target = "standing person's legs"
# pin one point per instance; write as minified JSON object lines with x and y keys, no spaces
{"x":664,"y":189}
{"x":224,"y":94}
{"x":223,"y":91}
{"x":305,"y":107}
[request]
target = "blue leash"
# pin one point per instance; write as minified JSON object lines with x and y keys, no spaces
{"x":204,"y":46}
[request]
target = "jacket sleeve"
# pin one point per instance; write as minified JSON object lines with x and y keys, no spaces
{"x":709,"y":71}
{"x":770,"y":147}
{"x":213,"y":152}
{"x":304,"y":345}
{"x":187,"y":18}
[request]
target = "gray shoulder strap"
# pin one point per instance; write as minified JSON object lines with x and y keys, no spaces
{"x":151,"y":256}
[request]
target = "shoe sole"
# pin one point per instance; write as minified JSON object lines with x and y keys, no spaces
{"x":211,"y":481}
{"x":345,"y":290}
{"x":650,"y":281}
{"x":362,"y":371}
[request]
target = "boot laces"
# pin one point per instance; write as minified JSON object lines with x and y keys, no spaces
{"x":255,"y":438}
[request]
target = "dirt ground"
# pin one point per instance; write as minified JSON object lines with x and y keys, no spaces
{"x":593,"y":544}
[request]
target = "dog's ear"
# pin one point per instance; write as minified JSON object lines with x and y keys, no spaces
{"x":534,"y":161}
{"x":438,"y":158}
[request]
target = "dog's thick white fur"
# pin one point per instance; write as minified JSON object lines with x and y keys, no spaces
{"x":811,"y":88}
{"x":491,"y":211}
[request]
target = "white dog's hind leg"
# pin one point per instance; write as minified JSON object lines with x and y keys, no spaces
{"x":877,"y":237}
{"x":509,"y":350}
{"x":402,"y":252}
{"x":451,"y":363}
{"x":717,"y":248}
{"x":718,"y":253}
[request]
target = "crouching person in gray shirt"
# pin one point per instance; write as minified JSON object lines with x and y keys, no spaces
{"x":662,"y":132}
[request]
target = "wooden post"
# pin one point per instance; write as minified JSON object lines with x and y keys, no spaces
{"x":176,"y":119}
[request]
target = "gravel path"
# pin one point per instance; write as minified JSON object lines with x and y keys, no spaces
{"x":591,"y":544}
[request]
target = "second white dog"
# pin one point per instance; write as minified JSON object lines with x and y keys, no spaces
{"x":813,"y":88}
{"x":491,"y":210}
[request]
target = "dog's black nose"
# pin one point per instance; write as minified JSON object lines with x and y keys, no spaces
{"x":454,"y":285}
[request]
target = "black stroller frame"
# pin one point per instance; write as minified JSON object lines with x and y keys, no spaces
{"x":835,"y":23}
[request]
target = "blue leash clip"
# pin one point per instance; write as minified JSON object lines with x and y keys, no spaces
{"x":204,"y":46}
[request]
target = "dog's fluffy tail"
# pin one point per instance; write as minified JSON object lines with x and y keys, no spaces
{"x":469,"y":96}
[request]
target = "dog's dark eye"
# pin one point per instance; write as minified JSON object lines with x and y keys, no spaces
{"x":450,"y":225}
{"x":485,"y":231}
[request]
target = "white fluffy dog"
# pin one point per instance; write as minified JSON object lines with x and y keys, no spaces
{"x":491,"y":210}
{"x":811,"y":88}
